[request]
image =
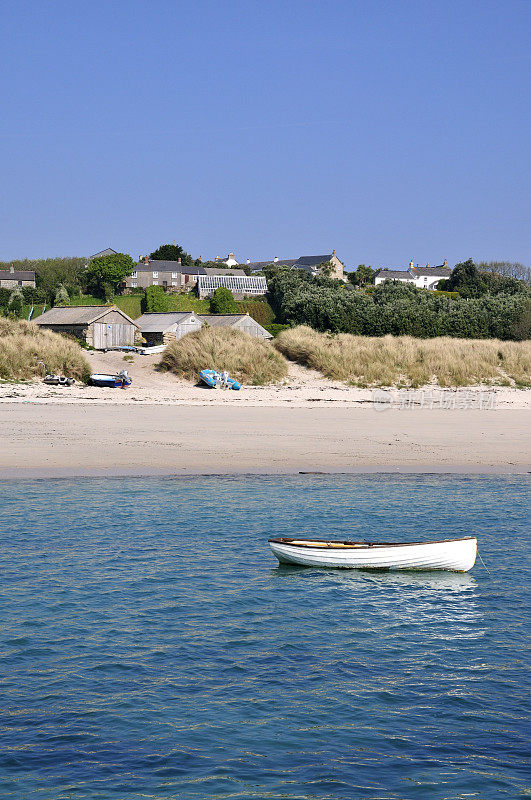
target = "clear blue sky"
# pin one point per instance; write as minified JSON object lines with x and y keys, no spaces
{"x":385,"y":130}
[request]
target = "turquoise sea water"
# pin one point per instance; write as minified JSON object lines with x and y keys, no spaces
{"x":151,"y":647}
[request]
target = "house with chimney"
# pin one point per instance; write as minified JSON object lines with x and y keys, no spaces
{"x":422,"y":277}
{"x":12,"y":278}
{"x":174,"y":276}
{"x":312,"y":264}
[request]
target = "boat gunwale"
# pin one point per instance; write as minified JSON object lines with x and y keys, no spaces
{"x":363,"y":545}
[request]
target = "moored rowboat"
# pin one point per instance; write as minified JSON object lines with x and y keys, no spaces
{"x":458,"y":555}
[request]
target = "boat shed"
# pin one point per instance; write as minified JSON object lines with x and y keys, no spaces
{"x":163,"y":327}
{"x":102,"y":327}
{"x":242,"y":322}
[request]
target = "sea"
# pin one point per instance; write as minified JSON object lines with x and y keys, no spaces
{"x":152,"y":647}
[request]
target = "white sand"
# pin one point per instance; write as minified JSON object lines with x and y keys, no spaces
{"x":162,"y":425}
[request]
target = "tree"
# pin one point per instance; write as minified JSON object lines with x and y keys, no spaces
{"x":104,"y":275}
{"x":362,"y":276}
{"x":50,"y":272}
{"x":154,"y":299}
{"x":172,"y":252}
{"x":61,"y":296}
{"x":464,"y":279}
{"x":16,"y":302}
{"x":222,"y":302}
{"x":507,"y":269}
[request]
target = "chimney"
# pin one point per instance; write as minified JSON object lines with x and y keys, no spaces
{"x":231,"y":255}
{"x":275,"y":259}
{"x":140,"y":258}
{"x":11,"y":268}
{"x":146,"y":260}
{"x":411,"y":264}
{"x":179,"y":261}
{"x":333,"y":252}
{"x":428,"y":265}
{"x":248,"y":260}
{"x":445,"y":263}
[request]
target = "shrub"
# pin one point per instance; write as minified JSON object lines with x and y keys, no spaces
{"x":389,"y":360}
{"x":276,"y":328}
{"x":250,"y":360}
{"x":155,"y":299}
{"x":24,"y":344}
{"x":222,"y":302}
{"x":259,"y":310}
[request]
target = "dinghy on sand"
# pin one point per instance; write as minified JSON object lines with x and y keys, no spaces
{"x":458,"y":555}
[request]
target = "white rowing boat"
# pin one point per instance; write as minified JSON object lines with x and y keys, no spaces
{"x":457,"y":555}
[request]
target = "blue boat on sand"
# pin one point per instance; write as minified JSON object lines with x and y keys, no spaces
{"x":112,"y":381}
{"x":218,"y":380}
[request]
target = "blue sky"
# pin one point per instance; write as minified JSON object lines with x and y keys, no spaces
{"x":385,"y":130}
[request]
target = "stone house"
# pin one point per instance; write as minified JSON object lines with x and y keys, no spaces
{"x":12,"y":278}
{"x":102,"y":327}
{"x":311,"y":264}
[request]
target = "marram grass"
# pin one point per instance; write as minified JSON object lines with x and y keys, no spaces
{"x":23,"y":345}
{"x":406,"y":361}
{"x":249,"y":360}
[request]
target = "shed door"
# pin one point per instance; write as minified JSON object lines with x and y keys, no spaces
{"x":113,"y":334}
{"x":187,"y":327}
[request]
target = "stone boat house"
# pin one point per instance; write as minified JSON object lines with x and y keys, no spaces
{"x":164,"y":327}
{"x":102,"y":327}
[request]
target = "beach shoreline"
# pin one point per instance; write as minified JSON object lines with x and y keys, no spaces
{"x":79,"y":439}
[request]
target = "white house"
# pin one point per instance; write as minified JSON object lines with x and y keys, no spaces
{"x":422,"y":277}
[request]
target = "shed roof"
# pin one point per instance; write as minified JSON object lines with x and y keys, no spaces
{"x":160,"y":321}
{"x":77,"y":315}
{"x":222,"y":320}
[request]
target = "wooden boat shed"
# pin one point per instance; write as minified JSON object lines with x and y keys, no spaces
{"x":102,"y":327}
{"x":242,"y":322}
{"x":161,"y":327}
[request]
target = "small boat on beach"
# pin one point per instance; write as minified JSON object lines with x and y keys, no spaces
{"x":218,"y":380}
{"x":457,"y":555}
{"x":121,"y":380}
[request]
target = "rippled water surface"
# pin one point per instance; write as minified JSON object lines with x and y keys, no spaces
{"x":151,"y":647}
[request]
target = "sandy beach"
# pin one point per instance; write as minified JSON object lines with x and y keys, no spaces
{"x":163,"y":425}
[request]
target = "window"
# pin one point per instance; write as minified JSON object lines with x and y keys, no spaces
{"x":20,"y":283}
{"x":174,"y":283}
{"x":175,"y":274}
{"x":155,"y":283}
{"x":155,"y":274}
{"x":133,"y":284}
{"x":134,"y":274}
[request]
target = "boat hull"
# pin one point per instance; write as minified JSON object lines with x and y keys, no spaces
{"x":457,"y":555}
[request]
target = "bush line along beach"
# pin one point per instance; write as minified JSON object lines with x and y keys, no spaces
{"x":362,"y":328}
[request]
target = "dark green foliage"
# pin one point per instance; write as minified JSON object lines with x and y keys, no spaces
{"x":155,"y":299}
{"x":50,"y":272}
{"x":15,"y":303}
{"x":222,"y":302}
{"x":362,"y":276}
{"x":259,"y":310}
{"x":393,"y":308}
{"x":470,"y":282}
{"x":104,"y":276}
{"x":172,"y":252}
{"x":275,"y":328}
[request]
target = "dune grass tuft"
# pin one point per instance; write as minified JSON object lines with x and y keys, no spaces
{"x":403,"y":360}
{"x":249,"y":360}
{"x":24,"y":344}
